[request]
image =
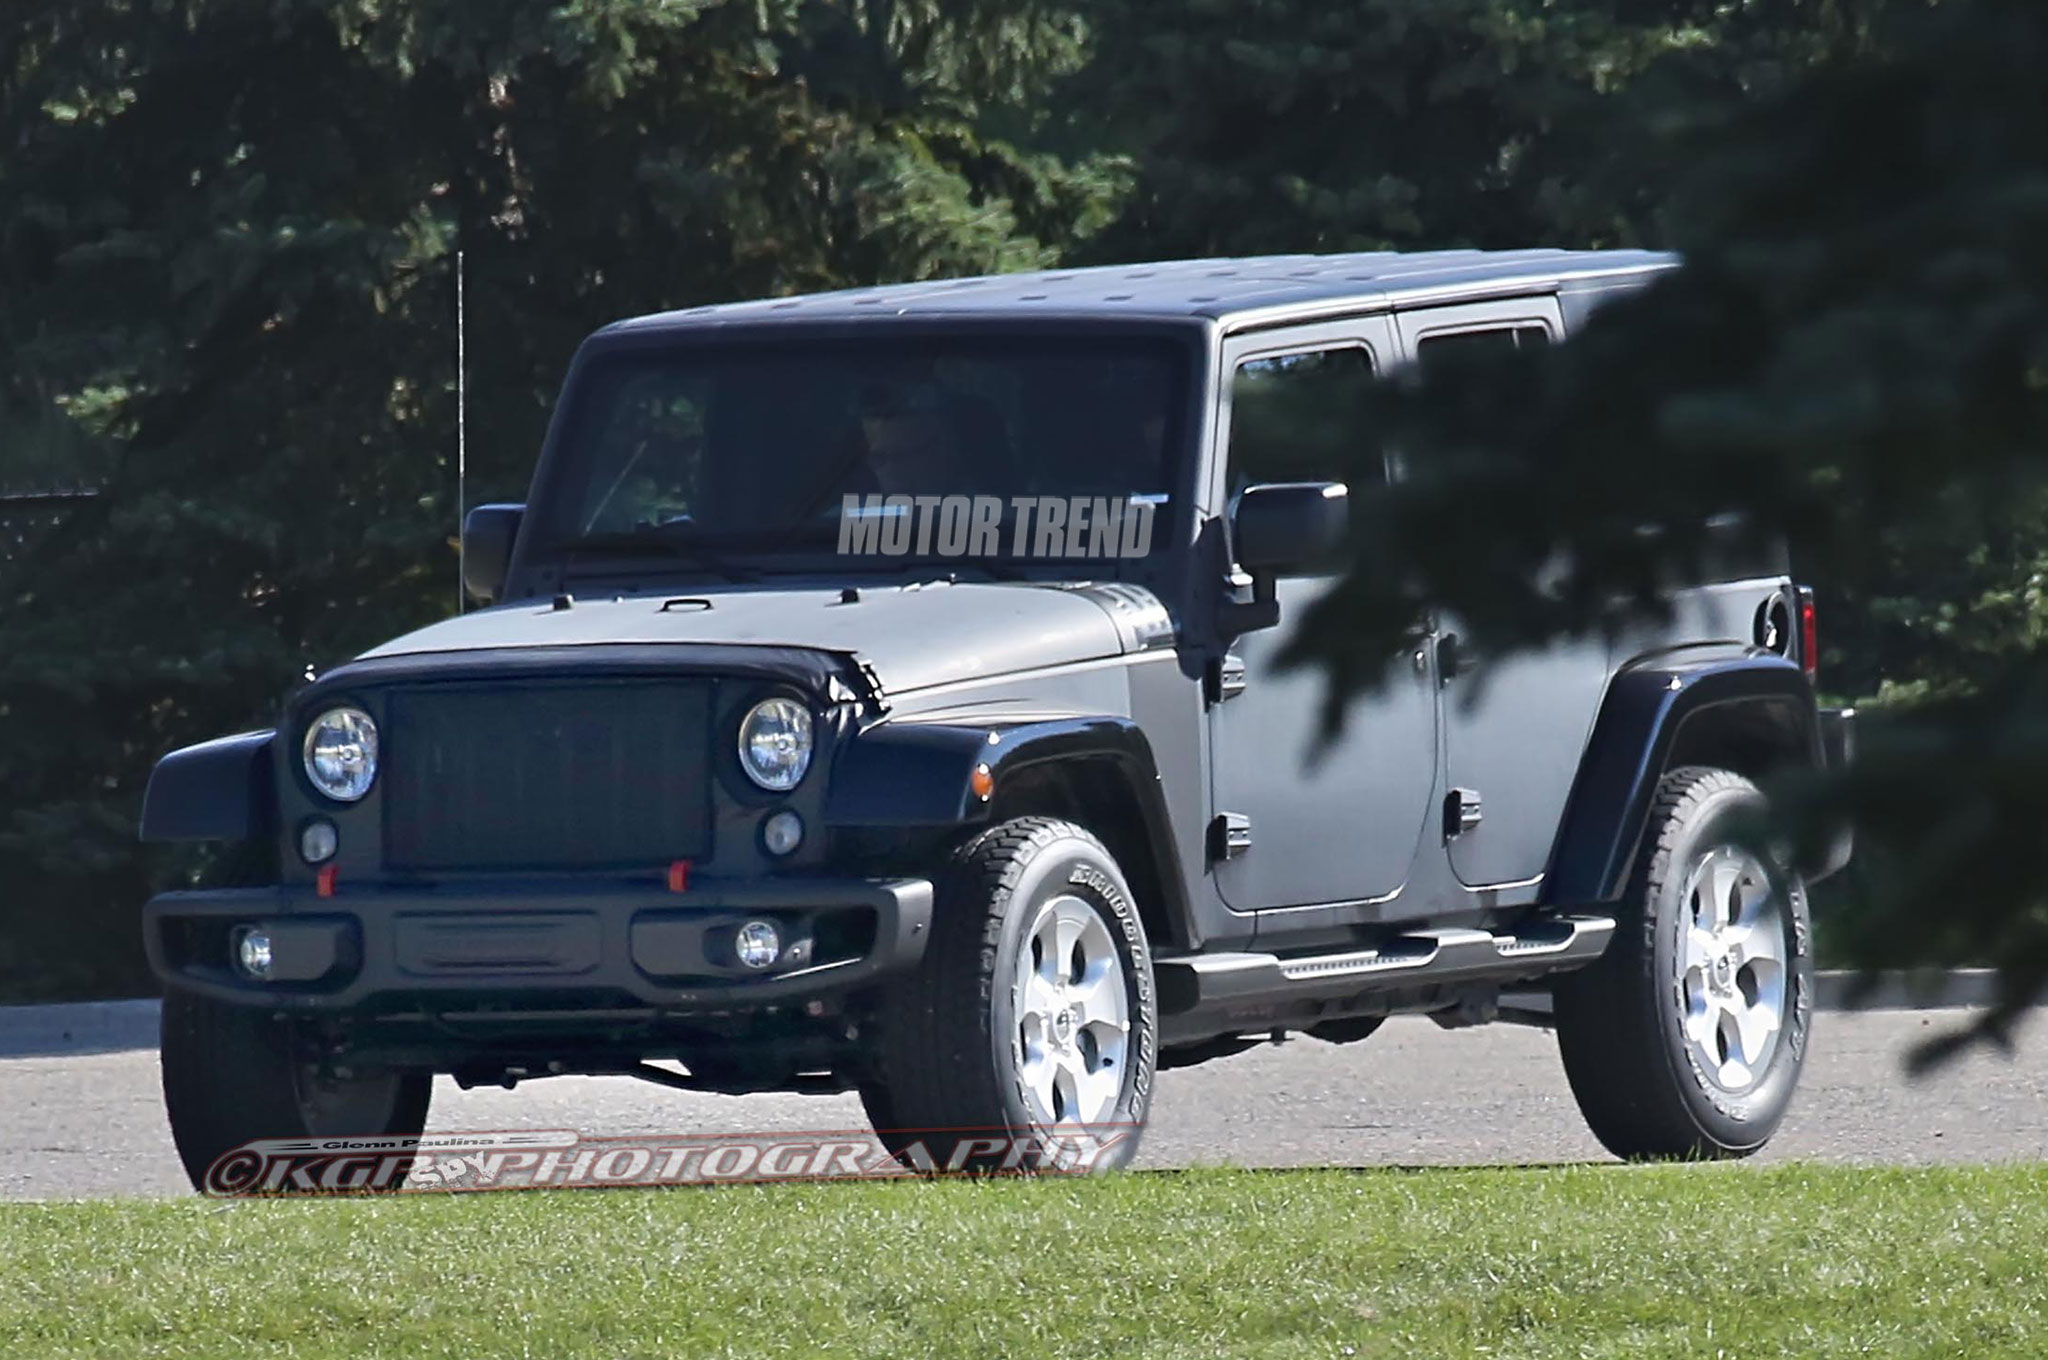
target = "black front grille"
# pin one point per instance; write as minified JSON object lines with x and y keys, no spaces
{"x":549,"y":776}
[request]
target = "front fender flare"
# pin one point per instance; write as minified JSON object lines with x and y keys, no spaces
{"x":220,"y":790}
{"x":911,"y":775}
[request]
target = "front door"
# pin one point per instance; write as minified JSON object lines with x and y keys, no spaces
{"x":1305,"y":816}
{"x":1512,"y":736}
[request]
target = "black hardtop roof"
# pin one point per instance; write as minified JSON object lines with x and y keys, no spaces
{"x":1219,"y":289}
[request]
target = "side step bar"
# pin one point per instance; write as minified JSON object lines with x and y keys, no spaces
{"x":1419,"y":958}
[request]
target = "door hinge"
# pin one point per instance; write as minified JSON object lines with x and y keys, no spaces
{"x":1224,"y":679}
{"x":1461,"y":812}
{"x":1450,"y":658}
{"x":1230,"y":835}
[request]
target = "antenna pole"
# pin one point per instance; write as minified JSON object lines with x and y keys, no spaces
{"x":461,"y":433}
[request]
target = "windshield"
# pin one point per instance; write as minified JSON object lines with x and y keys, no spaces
{"x":919,"y":446}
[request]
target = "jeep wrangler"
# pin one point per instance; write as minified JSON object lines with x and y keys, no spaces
{"x":878,"y":692}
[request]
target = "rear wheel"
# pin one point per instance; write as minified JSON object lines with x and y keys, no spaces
{"x":233,"y":1074}
{"x":1032,"y":1013}
{"x":1686,"y":1038}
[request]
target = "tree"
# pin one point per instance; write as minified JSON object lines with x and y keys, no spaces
{"x":226,"y":237}
{"x":1855,"y":355}
{"x":1292,"y":125}
{"x":227,"y":230}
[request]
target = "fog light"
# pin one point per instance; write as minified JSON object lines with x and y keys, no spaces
{"x":758,"y":944}
{"x":252,"y":953}
{"x":782,"y":833}
{"x":318,"y":840}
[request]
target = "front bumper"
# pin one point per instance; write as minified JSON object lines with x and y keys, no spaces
{"x":566,"y":947}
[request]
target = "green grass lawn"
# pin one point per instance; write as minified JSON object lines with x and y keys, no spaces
{"x":1577,"y":1261}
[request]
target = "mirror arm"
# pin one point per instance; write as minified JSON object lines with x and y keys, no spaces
{"x":1251,"y":602}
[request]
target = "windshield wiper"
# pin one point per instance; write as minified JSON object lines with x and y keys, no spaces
{"x":659,"y":540}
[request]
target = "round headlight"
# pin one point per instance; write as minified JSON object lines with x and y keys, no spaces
{"x":341,"y":753}
{"x":775,"y":744}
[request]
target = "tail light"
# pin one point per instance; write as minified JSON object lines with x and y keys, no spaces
{"x":1809,"y":634}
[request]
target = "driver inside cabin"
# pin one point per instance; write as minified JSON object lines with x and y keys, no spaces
{"x":764,"y":448}
{"x":919,"y":436}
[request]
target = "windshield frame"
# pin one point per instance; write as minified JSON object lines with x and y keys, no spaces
{"x":541,"y":566}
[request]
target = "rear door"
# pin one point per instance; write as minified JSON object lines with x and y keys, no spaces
{"x":1512,"y":737}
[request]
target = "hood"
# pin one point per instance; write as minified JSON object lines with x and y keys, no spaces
{"x":913,"y":636}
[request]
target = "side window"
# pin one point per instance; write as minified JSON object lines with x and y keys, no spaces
{"x":1294,"y":418}
{"x":1460,"y":346}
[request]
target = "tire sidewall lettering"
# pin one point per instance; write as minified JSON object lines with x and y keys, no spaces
{"x":1111,"y":898}
{"x":1061,"y":866}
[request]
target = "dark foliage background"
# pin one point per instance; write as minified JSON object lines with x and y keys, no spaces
{"x":227,"y":230}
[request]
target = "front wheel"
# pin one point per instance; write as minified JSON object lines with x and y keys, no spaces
{"x":235,"y":1074}
{"x":1686,"y":1038}
{"x":1028,"y":1036}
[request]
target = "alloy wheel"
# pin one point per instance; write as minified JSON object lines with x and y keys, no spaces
{"x":1073,"y":1008}
{"x":1731,"y":966}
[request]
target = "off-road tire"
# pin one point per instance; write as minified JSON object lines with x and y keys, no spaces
{"x":1619,"y":1020}
{"x":232,"y":1074}
{"x":948,"y":1069}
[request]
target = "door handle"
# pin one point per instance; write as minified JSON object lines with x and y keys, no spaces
{"x":1420,"y":641}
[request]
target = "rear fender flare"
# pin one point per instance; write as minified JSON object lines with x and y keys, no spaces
{"x":1642,"y":721}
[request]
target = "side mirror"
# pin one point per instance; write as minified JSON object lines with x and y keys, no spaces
{"x":1282,"y":527}
{"x":487,"y":534}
